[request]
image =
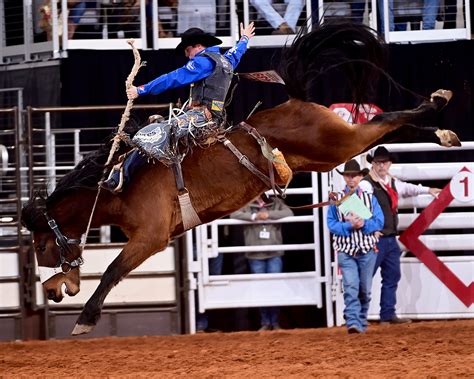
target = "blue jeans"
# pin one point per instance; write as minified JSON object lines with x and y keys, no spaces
{"x":268,"y":315}
{"x":357,"y":12}
{"x":215,"y":268}
{"x":430,"y":11}
{"x":357,"y":282}
{"x":132,"y":163}
{"x":388,"y":259}
{"x":391,"y":18}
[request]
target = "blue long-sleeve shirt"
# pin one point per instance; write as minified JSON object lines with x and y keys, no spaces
{"x":195,"y":69}
{"x":344,"y":228}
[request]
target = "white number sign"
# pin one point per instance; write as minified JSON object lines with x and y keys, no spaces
{"x":462,"y":186}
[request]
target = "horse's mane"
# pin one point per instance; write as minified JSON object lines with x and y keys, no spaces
{"x":354,"y":49}
{"x":88,"y":172}
{"x":85,"y":175}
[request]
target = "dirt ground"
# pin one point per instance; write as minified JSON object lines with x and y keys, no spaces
{"x":421,"y":349}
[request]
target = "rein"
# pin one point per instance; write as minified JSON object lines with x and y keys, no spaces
{"x":119,"y":135}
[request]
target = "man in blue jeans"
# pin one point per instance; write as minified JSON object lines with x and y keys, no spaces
{"x":202,"y":319}
{"x":264,"y":233}
{"x":354,"y":240}
{"x":387,"y":190}
{"x":429,"y":13}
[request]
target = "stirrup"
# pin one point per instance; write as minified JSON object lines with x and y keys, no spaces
{"x":110,"y":184}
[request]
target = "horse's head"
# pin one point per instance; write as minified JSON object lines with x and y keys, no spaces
{"x":58,"y":256}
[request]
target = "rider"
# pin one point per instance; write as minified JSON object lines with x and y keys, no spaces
{"x":208,"y":72}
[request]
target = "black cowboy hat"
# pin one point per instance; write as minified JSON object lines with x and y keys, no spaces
{"x":194,"y":36}
{"x":352,"y":167}
{"x":381,"y":154}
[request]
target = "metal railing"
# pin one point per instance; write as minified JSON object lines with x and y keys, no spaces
{"x":53,"y":141}
{"x":40,"y":29}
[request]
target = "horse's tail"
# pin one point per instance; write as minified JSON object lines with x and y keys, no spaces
{"x":335,"y":46}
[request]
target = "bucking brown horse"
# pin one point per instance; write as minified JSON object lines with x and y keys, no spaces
{"x":311,"y":137}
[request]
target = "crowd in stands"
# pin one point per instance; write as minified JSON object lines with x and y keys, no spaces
{"x":121,"y":18}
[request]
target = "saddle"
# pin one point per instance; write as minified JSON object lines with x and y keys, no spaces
{"x":169,"y":141}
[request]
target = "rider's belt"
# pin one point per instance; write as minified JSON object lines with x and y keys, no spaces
{"x":204,"y":109}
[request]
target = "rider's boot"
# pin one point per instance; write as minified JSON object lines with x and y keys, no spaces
{"x":121,"y":177}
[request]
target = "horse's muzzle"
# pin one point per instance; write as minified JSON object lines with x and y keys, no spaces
{"x":52,"y":296}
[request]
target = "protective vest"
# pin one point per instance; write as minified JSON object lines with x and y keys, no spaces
{"x":391,"y":220}
{"x":212,"y":90}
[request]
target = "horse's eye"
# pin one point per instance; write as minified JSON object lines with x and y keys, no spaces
{"x":41,"y":249}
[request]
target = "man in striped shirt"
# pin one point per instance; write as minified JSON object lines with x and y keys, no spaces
{"x":354,"y":242}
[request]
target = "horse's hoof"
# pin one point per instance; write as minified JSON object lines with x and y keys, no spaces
{"x":442,"y":93}
{"x":81,"y":329}
{"x":448,"y":138}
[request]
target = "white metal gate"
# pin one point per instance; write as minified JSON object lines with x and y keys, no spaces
{"x":257,"y":290}
{"x":420,"y":294}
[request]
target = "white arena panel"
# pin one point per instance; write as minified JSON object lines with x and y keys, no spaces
{"x":256,"y":290}
{"x":422,"y":295}
{"x":9,"y":295}
{"x":452,"y":220}
{"x":144,"y":285}
{"x":428,"y":171}
{"x":9,"y":265}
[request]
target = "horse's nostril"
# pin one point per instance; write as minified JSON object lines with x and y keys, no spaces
{"x":51,"y":294}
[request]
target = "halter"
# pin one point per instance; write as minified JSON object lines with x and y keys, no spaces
{"x":63,"y":266}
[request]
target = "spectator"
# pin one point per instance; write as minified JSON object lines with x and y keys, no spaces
{"x":202,"y":319}
{"x":264,"y":234}
{"x":357,"y":11}
{"x":197,"y":13}
{"x":76,"y":11}
{"x":354,"y":241}
{"x":450,"y":14}
{"x":282,"y":25}
{"x":429,"y":13}
{"x":386,"y":189}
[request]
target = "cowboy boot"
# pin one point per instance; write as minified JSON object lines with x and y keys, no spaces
{"x":121,"y":177}
{"x":284,"y":28}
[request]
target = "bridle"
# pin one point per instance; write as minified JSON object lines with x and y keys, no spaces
{"x":64,"y":243}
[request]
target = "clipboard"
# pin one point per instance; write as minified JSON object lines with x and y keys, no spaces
{"x":353,"y":204}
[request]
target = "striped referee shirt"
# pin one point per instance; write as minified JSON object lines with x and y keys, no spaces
{"x":353,"y":241}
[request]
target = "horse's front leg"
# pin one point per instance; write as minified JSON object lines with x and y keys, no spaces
{"x":133,"y":254}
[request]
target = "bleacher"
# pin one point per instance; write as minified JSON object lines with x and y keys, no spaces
{"x":45,"y":29}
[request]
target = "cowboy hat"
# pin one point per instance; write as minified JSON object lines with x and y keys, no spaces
{"x":381,"y":154}
{"x":196,"y":36}
{"x":352,"y":167}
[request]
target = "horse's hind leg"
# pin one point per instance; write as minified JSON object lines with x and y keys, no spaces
{"x":420,"y":116}
{"x":412,"y":133}
{"x":133,"y":254}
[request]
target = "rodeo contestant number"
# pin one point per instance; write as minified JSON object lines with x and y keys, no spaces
{"x":462,"y":186}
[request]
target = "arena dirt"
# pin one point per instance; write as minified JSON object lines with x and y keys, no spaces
{"x":418,"y":350}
